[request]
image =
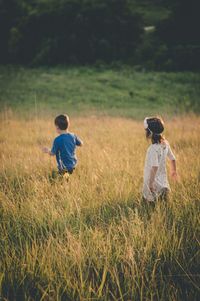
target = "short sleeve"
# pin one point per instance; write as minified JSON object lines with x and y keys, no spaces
{"x":78,"y":141}
{"x":153,"y":157}
{"x":170,"y":154}
{"x":54,"y":148}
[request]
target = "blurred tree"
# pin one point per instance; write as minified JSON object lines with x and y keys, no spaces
{"x":9,"y":11}
{"x":180,"y":34}
{"x":75,"y":31}
{"x":183,"y":25}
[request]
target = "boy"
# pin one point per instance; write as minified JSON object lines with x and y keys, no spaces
{"x":64,"y":146}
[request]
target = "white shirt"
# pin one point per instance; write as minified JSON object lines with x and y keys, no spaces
{"x":156,"y":156}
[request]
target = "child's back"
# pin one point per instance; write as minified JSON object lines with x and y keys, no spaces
{"x":64,"y":147}
{"x":155,"y":172}
{"x":157,"y":155}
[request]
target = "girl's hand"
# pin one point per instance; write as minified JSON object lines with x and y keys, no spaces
{"x":174,"y":175}
{"x":45,"y":150}
{"x":152,"y":178}
{"x":151,"y":187}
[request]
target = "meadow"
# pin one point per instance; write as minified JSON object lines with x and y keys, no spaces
{"x":93,"y":238}
{"x":84,"y":91}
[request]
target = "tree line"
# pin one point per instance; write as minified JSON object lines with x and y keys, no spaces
{"x":35,"y":32}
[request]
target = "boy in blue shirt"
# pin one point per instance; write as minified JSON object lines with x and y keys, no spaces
{"x":64,"y":146}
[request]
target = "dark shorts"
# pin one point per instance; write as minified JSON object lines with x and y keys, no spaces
{"x":66,"y":171}
{"x":60,"y":174}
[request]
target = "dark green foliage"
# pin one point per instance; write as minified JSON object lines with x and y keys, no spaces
{"x":10,"y":12}
{"x":152,"y":11}
{"x":69,"y":31}
{"x":183,"y":25}
{"x":50,"y":32}
{"x":180,"y":35}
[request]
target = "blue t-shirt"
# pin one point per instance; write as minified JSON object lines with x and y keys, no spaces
{"x":64,"y":147}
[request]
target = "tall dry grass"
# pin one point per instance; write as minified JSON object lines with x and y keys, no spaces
{"x":93,"y":238}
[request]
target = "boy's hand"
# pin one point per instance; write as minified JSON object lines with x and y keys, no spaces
{"x":45,"y":150}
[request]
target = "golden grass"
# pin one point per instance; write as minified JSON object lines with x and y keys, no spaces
{"x":93,"y":238}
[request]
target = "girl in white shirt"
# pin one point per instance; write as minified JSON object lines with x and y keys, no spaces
{"x":155,"y":174}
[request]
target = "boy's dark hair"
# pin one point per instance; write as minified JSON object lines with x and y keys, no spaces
{"x":155,"y":129}
{"x":62,"y":122}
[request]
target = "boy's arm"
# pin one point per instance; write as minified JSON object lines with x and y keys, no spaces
{"x":152,"y":177}
{"x":79,"y":142}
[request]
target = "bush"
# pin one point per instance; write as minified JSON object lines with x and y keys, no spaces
{"x":180,"y":34}
{"x":73,"y":31}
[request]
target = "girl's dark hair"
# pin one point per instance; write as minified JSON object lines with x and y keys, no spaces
{"x":62,"y":122}
{"x":155,"y":129}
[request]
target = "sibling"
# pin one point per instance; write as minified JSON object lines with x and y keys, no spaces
{"x":155,"y":174}
{"x":64,"y":146}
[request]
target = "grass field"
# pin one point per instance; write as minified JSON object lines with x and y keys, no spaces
{"x":93,"y":238}
{"x":82,"y":91}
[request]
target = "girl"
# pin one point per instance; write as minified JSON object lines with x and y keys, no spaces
{"x":155,"y":173}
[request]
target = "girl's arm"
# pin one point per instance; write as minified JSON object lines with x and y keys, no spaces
{"x":173,"y":169}
{"x":152,"y":177}
{"x":172,"y":158}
